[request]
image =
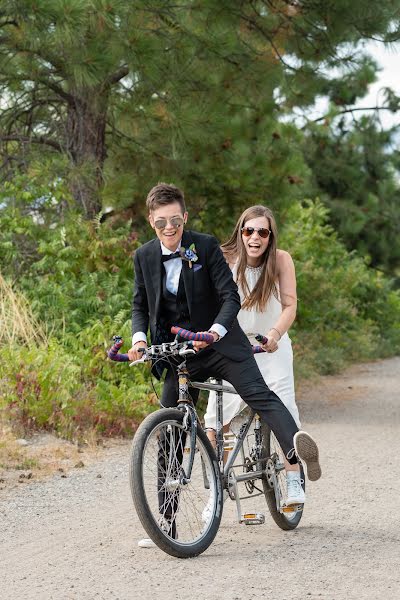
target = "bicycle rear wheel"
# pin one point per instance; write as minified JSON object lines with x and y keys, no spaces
{"x":182,"y":518}
{"x":272,"y":450}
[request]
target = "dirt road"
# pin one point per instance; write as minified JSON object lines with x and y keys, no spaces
{"x":76,"y":537}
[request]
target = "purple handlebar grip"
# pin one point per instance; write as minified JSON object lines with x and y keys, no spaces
{"x":113,"y":353}
{"x":194,"y":337}
{"x":258,"y":349}
{"x":261,"y":338}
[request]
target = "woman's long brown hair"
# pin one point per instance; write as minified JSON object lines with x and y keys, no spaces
{"x":234,"y":250}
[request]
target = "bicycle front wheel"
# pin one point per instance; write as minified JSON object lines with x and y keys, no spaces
{"x":180,"y":515}
{"x":272,"y":450}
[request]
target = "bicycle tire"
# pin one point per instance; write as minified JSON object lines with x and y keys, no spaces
{"x":271,"y":447}
{"x":160,"y":440}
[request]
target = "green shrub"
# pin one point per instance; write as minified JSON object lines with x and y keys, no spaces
{"x":77,"y":280}
{"x":346,"y":311}
{"x":71,"y":386}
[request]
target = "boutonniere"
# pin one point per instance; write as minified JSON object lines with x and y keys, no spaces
{"x":189,"y":254}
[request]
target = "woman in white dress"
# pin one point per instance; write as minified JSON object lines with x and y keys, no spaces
{"x":267,"y":286}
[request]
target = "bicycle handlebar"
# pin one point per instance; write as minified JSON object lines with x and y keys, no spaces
{"x":114,"y":354}
{"x":191,"y":336}
{"x":207,"y":337}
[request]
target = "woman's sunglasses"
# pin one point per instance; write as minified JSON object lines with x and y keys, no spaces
{"x":262,"y":231}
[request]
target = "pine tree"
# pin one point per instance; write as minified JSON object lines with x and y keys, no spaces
{"x":355,"y":172}
{"x":194,"y":89}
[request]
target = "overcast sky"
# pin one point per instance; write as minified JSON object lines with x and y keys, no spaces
{"x":388,"y":58}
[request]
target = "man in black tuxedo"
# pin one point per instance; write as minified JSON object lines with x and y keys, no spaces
{"x":201,"y":295}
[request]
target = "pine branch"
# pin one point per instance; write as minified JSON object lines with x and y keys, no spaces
{"x":352,"y":110}
{"x":123,"y":136}
{"x":118,"y":75}
{"x":254,"y":25}
{"x":9,"y":22}
{"x":57,"y":89}
{"x":23,"y":139}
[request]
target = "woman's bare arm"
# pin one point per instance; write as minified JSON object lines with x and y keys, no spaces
{"x":288,"y":294}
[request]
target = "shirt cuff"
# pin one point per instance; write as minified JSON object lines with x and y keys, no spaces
{"x":140,"y":336}
{"x":220,"y":329}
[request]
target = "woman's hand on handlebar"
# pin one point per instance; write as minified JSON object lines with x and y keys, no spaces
{"x":134,"y":353}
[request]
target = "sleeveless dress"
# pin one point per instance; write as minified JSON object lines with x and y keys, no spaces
{"x":276,"y":367}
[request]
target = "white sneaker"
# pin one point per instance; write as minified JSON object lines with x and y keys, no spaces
{"x":146,"y":543}
{"x":307,"y":450}
{"x":295,"y":493}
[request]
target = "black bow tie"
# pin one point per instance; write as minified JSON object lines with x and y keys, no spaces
{"x":165,"y":257}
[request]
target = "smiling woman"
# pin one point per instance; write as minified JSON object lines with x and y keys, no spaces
{"x":267,"y":286}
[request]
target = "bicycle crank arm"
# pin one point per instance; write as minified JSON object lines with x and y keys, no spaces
{"x":249,"y":476}
{"x":247,"y":518}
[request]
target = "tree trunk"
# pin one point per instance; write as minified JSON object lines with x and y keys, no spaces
{"x":85,"y":137}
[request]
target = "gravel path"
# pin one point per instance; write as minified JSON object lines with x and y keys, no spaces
{"x":76,"y":537}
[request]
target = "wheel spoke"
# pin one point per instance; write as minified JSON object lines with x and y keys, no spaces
{"x":177,"y":505}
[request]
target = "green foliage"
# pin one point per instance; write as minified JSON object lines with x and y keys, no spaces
{"x":84,"y":274}
{"x":346,"y":311}
{"x":190,"y":91}
{"x":355,"y":172}
{"x":70,"y":387}
{"x":73,"y":271}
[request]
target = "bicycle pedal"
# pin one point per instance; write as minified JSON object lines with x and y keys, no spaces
{"x":229,"y":441}
{"x":292,"y":508}
{"x":252,"y":519}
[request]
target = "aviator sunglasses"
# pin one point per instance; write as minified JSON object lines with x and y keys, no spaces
{"x":174,"y":221}
{"x":262,"y":231}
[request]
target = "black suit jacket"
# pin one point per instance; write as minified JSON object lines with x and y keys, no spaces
{"x":211,"y":293}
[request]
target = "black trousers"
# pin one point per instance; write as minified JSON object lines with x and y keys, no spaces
{"x":246,"y":378}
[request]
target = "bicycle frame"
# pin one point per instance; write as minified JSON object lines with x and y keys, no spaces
{"x":255,"y":466}
{"x":227,"y":470}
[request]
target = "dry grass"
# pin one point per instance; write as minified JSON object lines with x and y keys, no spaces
{"x":12,"y":455}
{"x":45,"y":455}
{"x":17,"y":323}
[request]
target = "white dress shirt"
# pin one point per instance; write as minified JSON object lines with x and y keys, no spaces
{"x":173,"y":269}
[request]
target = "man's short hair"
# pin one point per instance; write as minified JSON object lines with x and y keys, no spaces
{"x":163,"y":194}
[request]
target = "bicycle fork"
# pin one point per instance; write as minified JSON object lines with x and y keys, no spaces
{"x":189,"y":426}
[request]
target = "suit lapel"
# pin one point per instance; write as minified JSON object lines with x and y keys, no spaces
{"x":187,"y":272}
{"x":155,"y":266}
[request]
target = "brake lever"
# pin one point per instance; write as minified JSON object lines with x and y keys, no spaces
{"x":140,"y":360}
{"x":185,"y":351}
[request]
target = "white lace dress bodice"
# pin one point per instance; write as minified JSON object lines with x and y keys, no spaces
{"x":253,"y":321}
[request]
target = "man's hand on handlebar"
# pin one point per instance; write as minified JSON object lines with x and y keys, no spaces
{"x":134,"y":353}
{"x":199,"y":345}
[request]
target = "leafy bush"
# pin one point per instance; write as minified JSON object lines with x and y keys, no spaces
{"x":346,"y":311}
{"x":77,"y":284}
{"x":71,"y":387}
